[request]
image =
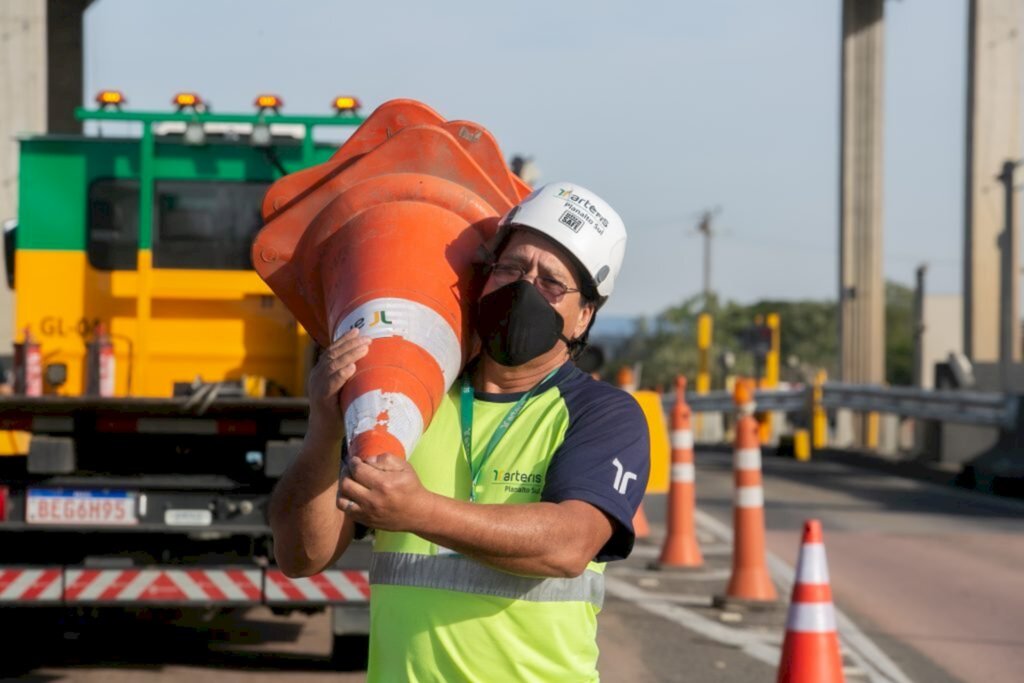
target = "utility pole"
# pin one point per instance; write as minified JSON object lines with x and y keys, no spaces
{"x":704,"y":228}
{"x":919,"y":327}
{"x":1007,"y":309}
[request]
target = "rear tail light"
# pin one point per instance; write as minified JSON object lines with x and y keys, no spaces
{"x":3,"y":503}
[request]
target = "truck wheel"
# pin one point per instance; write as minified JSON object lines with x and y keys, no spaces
{"x":350,"y":652}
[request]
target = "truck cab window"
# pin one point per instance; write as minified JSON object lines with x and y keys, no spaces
{"x":113,"y":224}
{"x":206,"y":225}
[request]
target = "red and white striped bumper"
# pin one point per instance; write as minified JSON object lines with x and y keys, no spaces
{"x":177,"y":586}
{"x":326,"y":587}
{"x":31,"y":585}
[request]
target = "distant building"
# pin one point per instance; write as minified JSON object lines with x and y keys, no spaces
{"x":943,"y":332}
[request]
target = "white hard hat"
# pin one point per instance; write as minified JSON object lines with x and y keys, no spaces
{"x":581,"y":222}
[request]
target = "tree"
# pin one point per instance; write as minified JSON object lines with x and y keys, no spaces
{"x":899,"y":334}
{"x":809,"y":336}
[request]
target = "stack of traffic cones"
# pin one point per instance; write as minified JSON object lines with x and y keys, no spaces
{"x":681,"y":549}
{"x":750,"y":583}
{"x":383,"y":238}
{"x":810,"y":653}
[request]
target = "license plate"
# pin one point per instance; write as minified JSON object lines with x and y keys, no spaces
{"x":70,"y":506}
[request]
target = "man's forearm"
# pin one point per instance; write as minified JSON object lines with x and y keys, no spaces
{"x":309,"y":530}
{"x":533,"y":539}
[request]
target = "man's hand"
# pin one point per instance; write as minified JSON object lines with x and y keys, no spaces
{"x":335,"y":366}
{"x":384,"y":492}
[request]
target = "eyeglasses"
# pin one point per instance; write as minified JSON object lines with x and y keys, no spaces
{"x":551,"y":288}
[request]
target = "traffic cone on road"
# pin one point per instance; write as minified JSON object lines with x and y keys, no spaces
{"x":626,"y":379}
{"x":810,"y":652}
{"x":383,"y":238}
{"x":680,"y":549}
{"x":750,"y":581}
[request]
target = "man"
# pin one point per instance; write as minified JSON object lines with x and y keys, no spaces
{"x":490,"y":541}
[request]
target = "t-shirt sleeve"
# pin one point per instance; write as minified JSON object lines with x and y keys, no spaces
{"x":604,"y":460}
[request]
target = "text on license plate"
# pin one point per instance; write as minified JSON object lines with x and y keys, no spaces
{"x":68,"y":506}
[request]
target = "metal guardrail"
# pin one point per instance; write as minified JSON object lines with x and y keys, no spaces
{"x":786,"y":401}
{"x":966,"y":407}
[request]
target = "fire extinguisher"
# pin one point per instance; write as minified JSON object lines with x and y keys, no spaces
{"x":28,"y":367}
{"x":101,"y":364}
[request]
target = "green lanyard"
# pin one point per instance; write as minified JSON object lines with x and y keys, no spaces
{"x":466,"y":402}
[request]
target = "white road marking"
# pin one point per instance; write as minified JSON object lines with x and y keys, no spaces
{"x":753,"y":644}
{"x":862,"y":650}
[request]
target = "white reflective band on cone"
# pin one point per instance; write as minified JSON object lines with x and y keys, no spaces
{"x":747,"y":459}
{"x":811,"y":617}
{"x":683,"y":472}
{"x":683,"y":439}
{"x":812,"y":567}
{"x":412,"y":321}
{"x":404,"y":421}
{"x":749,"y":497}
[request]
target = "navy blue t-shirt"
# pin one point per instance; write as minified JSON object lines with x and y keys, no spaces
{"x":603,"y":457}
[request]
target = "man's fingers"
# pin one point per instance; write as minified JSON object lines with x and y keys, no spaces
{"x":364,"y":473}
{"x":350,"y":356}
{"x":349,"y":506}
{"x":331,"y":374}
{"x":336,"y":380}
{"x":350,"y":488}
{"x":345,"y":344}
{"x":387,"y":462}
{"x":392,"y":462}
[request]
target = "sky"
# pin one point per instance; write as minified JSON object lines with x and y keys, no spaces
{"x":663,"y":109}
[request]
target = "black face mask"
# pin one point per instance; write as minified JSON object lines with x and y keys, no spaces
{"x":516,"y":324}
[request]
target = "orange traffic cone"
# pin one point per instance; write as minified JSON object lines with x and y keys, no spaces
{"x":750,"y":580}
{"x":626,"y":379}
{"x":810,"y":653}
{"x":383,"y":237}
{"x":681,"y":549}
{"x":641,"y":528}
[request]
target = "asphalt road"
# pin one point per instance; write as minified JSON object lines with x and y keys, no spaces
{"x":931,"y":573}
{"x":928,"y":576}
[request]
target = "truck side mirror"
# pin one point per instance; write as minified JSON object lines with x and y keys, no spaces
{"x":10,"y":243}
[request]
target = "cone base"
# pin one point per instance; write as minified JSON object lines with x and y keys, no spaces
{"x":681,"y":553}
{"x":751,"y":583}
{"x":811,"y":658}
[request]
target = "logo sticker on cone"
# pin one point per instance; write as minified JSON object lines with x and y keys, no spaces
{"x":810,"y":652}
{"x":383,"y":238}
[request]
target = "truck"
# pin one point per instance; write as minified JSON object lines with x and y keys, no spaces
{"x":158,"y":385}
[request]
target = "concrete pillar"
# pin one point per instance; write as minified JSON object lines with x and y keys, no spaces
{"x":861,"y":284}
{"x":64,"y":77}
{"x":41,"y":76}
{"x":993,"y":136}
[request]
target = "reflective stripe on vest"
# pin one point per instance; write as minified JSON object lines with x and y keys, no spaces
{"x":453,"y":572}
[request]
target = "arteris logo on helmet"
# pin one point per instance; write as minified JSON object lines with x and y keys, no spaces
{"x":577,"y":203}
